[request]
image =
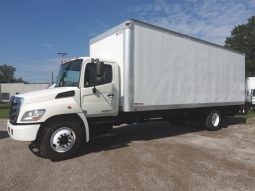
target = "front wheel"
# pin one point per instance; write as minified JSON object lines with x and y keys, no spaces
{"x":61,"y":139}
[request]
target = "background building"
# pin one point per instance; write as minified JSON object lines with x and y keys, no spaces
{"x":9,"y":89}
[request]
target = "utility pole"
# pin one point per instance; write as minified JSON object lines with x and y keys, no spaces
{"x":52,"y":81}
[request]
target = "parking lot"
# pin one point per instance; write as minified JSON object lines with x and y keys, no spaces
{"x":149,"y":156}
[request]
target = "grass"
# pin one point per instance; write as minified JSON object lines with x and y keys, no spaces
{"x":251,"y":114}
{"x":4,"y":105}
{"x":4,"y":110}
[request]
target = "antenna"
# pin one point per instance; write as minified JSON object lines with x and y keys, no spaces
{"x":62,"y":56}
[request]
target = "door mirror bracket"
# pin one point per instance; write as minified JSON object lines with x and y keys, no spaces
{"x":94,"y":90}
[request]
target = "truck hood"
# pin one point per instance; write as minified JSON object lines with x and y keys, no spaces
{"x":44,"y":95}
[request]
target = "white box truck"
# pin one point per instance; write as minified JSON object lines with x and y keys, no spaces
{"x":250,"y":93}
{"x":135,"y":72}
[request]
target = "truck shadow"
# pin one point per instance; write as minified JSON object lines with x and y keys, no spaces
{"x":4,"y":134}
{"x":233,"y":121}
{"x":123,"y":135}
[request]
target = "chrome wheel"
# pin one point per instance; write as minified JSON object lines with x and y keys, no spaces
{"x":62,"y":140}
{"x":215,"y":119}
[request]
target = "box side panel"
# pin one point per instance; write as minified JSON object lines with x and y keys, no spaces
{"x":174,"y":72}
{"x":111,"y":48}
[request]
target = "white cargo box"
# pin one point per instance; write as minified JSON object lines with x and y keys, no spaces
{"x":162,"y":69}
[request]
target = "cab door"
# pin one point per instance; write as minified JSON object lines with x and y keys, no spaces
{"x":100,"y":94}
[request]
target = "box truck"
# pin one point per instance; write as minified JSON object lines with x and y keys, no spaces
{"x":135,"y":72}
{"x":250,"y":93}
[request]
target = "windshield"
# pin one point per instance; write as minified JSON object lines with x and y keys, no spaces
{"x":69,"y":74}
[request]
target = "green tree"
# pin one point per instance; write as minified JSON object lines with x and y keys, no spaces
{"x":7,"y":73}
{"x":20,"y":80}
{"x":243,"y":39}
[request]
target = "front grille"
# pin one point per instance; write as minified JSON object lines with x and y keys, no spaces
{"x":14,"y":109}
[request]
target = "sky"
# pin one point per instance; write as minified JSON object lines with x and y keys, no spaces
{"x":32,"y":32}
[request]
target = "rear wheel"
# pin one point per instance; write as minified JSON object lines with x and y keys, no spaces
{"x":61,"y":139}
{"x":212,"y":120}
{"x":244,"y":110}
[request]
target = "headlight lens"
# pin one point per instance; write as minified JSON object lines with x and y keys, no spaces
{"x":33,"y":115}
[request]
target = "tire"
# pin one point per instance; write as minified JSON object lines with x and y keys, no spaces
{"x":213,"y":120}
{"x":243,"y":110}
{"x":61,"y":140}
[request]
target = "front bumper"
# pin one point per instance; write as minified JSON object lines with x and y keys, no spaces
{"x":23,"y":132}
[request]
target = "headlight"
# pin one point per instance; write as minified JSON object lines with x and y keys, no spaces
{"x":33,"y":115}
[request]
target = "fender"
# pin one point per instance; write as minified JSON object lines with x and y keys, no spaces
{"x":86,"y":125}
{"x":55,"y":107}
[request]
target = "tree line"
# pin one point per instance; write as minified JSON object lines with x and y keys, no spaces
{"x":7,"y":75}
{"x":242,"y":39}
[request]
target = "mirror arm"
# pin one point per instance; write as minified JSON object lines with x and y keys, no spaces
{"x":94,"y":90}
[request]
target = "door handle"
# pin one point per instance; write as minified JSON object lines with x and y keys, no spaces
{"x":110,"y":95}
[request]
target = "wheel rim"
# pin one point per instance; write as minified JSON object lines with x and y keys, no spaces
{"x":62,"y":140}
{"x":215,"y":119}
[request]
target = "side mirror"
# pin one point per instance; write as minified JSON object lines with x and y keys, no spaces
{"x":100,"y":68}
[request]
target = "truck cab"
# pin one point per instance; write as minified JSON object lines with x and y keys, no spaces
{"x":58,"y":118}
{"x":250,"y":99}
{"x":250,"y":93}
{"x":253,"y":98}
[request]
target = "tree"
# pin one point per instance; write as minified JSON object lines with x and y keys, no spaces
{"x":6,"y":73}
{"x":243,"y":39}
{"x":19,"y":80}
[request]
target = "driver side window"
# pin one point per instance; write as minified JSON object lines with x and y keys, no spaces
{"x":91,"y":79}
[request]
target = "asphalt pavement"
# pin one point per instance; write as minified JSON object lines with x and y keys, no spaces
{"x":149,"y":156}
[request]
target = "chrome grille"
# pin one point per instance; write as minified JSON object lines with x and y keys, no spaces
{"x":14,"y":109}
